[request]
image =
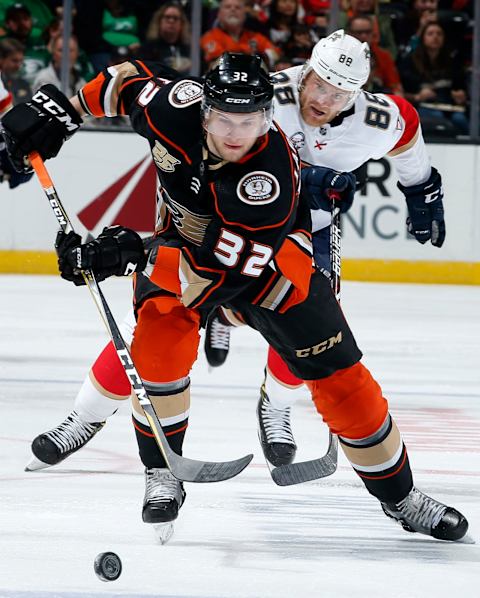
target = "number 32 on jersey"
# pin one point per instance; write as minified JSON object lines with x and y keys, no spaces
{"x":230,"y":246}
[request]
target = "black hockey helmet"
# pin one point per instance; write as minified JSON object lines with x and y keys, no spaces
{"x":238,"y":83}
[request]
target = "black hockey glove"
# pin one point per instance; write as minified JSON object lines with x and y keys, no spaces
{"x":7,"y":171}
{"x":318,"y":183}
{"x":118,"y":251}
{"x":425,"y":210}
{"x":41,"y":125}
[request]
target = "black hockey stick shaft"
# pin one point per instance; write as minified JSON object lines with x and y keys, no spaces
{"x":184,"y":469}
{"x":306,"y":471}
{"x":335,"y":280}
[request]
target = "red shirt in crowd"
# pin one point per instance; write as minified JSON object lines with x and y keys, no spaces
{"x":216,"y":41}
{"x":385,"y":71}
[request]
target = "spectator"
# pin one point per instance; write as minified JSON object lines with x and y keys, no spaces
{"x":420,"y":14}
{"x":168,"y":38}
{"x":384,"y":76}
{"x":434,"y":81}
{"x":299,"y":47}
{"x":88,"y":26}
{"x":39,"y":12}
{"x":11,"y":61}
{"x":382,"y":30}
{"x":284,"y":62}
{"x":51,"y":73}
{"x":120,"y":29}
{"x":19,"y":26}
{"x":283,"y":18}
{"x":316,"y":15}
{"x":230,"y":35}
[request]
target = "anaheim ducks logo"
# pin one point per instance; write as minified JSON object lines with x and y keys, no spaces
{"x":258,"y":188}
{"x":184,"y":93}
{"x":190,"y":225}
{"x":163,"y":159}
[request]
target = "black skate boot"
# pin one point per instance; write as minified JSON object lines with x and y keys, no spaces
{"x":275,"y":432}
{"x":164,"y":496}
{"x":420,"y":513}
{"x":56,"y":445}
{"x":217,"y":341}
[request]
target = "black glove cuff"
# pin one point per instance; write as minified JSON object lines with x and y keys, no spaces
{"x":67,"y":115}
{"x":434,"y":180}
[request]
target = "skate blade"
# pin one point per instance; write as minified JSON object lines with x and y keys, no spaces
{"x":467,"y":539}
{"x":35,"y":464}
{"x":163,"y":531}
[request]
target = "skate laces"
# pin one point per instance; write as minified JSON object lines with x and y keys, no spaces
{"x":420,"y":509}
{"x":276,"y":422}
{"x":72,"y":432}
{"x":219,"y":335}
{"x":162,"y":486}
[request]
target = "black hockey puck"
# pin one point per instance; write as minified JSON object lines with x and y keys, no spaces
{"x":108,"y":566}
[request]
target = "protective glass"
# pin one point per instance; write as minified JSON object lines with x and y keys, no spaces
{"x":238,"y":125}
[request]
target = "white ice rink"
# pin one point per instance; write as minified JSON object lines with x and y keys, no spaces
{"x":245,"y":537}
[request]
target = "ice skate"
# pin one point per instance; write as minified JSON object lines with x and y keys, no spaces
{"x":275,"y":432}
{"x":420,"y":513}
{"x":56,"y":445}
{"x":164,"y":496}
{"x":217,"y":341}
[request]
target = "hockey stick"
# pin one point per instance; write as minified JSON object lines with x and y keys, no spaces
{"x":183,"y":469}
{"x":306,"y":471}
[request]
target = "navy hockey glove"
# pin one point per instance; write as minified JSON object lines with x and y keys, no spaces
{"x":7,"y":171}
{"x":118,"y":251}
{"x":425,"y":210}
{"x":318,"y":182}
{"x":41,"y":125}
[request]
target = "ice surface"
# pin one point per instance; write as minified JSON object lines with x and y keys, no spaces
{"x":245,"y":537}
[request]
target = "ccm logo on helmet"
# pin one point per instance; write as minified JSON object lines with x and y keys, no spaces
{"x":238,"y":100}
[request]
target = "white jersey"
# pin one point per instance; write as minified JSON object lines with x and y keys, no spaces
{"x":375,"y":126}
{"x":5,"y":98}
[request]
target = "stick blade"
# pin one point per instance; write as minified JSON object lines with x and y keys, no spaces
{"x":307,"y":471}
{"x":189,"y":470}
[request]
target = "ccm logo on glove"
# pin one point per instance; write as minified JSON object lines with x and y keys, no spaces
{"x":51,"y":106}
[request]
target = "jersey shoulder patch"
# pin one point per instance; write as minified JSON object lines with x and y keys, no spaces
{"x":184,"y":93}
{"x":258,"y":188}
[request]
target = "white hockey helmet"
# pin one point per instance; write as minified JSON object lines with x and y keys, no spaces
{"x":342,"y":61}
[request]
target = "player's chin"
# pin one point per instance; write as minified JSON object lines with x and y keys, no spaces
{"x":234,"y":152}
{"x":316,"y":117}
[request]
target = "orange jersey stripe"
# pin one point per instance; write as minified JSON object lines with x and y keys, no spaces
{"x":92,"y":93}
{"x":296,"y":265}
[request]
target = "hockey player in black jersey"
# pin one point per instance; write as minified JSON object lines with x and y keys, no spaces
{"x":233,"y":233}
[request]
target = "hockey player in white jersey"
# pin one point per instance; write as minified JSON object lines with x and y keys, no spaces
{"x":333,"y":124}
{"x":8,"y":174}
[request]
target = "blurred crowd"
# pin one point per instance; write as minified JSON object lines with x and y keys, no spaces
{"x":421,"y":49}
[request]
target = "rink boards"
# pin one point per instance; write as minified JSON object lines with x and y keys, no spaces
{"x":105,"y":178}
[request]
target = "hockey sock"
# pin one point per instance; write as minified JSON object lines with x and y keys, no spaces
{"x":104,"y":388}
{"x":93,"y":404}
{"x":352,"y":405}
{"x":282,"y":387}
{"x":381,"y":462}
{"x":171,"y":402}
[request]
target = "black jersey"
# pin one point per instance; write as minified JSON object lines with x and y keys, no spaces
{"x":226,"y":228}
